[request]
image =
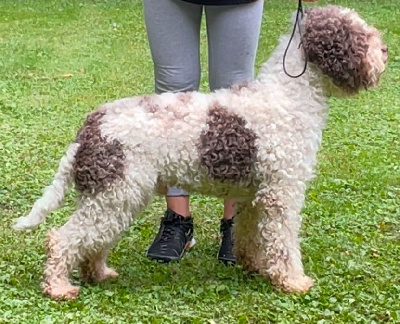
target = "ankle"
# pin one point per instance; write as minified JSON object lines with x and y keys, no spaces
{"x":227,"y":217}
{"x":179,"y":205}
{"x":174,"y":216}
{"x":181,"y":212}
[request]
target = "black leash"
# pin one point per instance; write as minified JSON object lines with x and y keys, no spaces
{"x":300,"y":14}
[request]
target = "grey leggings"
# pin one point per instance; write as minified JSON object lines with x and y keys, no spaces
{"x":173,"y":30}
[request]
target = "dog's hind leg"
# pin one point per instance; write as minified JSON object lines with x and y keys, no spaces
{"x":95,"y":269}
{"x":279,"y":204}
{"x":89,"y":234}
{"x":74,"y":242}
{"x":56,"y":282}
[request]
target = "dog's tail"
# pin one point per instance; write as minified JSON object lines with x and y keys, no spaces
{"x":53,"y":195}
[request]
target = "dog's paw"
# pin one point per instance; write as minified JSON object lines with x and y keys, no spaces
{"x":300,"y":284}
{"x":62,"y":292}
{"x":99,"y":276}
{"x":108,"y":273}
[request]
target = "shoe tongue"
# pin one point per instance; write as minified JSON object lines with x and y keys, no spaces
{"x":171,"y":216}
{"x":226,"y":224}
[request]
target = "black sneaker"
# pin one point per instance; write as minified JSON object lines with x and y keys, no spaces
{"x":225,"y":252}
{"x":174,"y":237}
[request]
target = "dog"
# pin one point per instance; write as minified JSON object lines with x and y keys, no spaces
{"x":256,"y":143}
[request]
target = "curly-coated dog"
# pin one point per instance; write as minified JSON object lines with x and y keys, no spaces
{"x":256,"y":143}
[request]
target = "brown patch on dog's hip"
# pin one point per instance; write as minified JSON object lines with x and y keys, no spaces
{"x":99,"y":162}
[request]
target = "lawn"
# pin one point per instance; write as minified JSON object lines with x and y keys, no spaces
{"x":61,"y":59}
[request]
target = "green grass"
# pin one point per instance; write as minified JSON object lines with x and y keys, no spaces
{"x":60,"y":59}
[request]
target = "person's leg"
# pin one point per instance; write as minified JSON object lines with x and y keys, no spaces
{"x":233,"y":34}
{"x":173,"y":30}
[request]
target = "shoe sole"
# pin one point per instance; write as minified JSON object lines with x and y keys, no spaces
{"x":190,"y":244}
{"x":164,"y":259}
{"x":227,"y":261}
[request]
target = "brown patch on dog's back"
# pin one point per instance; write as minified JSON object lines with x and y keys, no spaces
{"x":237,"y":88}
{"x":227,"y":148}
{"x":147,"y":103}
{"x":98,"y":162}
{"x":185,"y":97}
{"x":173,"y":110}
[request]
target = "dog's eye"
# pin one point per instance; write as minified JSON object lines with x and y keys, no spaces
{"x":384,"y":49}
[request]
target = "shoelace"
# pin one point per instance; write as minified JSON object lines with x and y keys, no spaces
{"x":168,"y":234}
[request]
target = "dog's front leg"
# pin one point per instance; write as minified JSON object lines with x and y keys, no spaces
{"x":279,"y":209}
{"x":246,"y":237}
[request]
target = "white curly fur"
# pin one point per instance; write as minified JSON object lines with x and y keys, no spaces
{"x":53,"y":194}
{"x":161,"y":148}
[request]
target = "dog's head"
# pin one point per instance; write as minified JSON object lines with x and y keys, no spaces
{"x":346,"y":49}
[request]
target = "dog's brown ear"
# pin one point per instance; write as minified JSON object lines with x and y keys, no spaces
{"x":338,"y":46}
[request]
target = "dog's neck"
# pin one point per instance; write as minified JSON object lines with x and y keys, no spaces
{"x":308,"y":88}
